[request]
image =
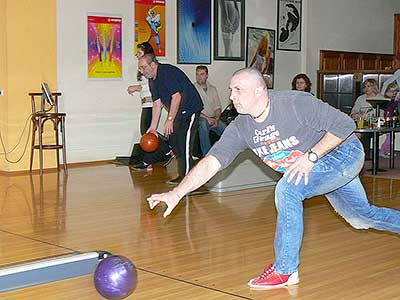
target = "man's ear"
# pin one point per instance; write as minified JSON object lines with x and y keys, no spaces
{"x":258,"y":91}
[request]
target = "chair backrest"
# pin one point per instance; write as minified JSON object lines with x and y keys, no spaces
{"x":38,"y":98}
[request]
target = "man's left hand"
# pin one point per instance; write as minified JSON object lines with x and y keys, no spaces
{"x":169,"y":127}
{"x":301,"y":167}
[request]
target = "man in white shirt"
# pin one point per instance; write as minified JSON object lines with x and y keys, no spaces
{"x":210,"y":115}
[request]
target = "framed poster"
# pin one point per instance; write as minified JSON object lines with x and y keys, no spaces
{"x":229,"y":29}
{"x":150,"y":24}
{"x":104,"y":47}
{"x":194,"y":31}
{"x":260,"y":52}
{"x":289,"y":25}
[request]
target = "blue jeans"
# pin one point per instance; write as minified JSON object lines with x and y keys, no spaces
{"x":204,"y":133}
{"x":335,"y":175}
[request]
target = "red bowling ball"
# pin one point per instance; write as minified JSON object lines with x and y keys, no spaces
{"x":149,"y":142}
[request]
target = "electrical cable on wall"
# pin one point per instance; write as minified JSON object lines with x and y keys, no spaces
{"x":5,"y":152}
{"x":46,"y":98}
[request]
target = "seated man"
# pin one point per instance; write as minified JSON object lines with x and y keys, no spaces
{"x":210,"y":115}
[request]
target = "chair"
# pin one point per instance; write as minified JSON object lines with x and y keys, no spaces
{"x":39,"y":118}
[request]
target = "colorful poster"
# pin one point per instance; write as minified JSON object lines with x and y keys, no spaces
{"x":104,"y":47}
{"x":260,"y":52}
{"x":194,"y":31}
{"x":150,"y":24}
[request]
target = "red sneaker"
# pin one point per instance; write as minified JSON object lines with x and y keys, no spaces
{"x":271,"y":279}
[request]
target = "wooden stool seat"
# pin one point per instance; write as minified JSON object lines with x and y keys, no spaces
{"x":48,"y":147}
{"x":39,"y":118}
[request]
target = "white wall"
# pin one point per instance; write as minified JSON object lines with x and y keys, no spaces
{"x":348,"y":25}
{"x":103,"y":121}
{"x":101,"y":117}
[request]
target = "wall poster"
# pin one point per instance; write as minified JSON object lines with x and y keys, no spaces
{"x":104,"y":47}
{"x":229,"y":20}
{"x":289,"y":25}
{"x":194,"y":31}
{"x":150,"y":24}
{"x":260,"y":52}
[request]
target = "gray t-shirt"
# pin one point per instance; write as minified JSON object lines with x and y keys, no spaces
{"x":296,"y":122}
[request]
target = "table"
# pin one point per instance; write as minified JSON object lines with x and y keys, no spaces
{"x":375,"y":145}
{"x":378,"y":104}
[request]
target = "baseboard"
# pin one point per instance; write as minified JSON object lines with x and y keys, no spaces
{"x":55,"y":170}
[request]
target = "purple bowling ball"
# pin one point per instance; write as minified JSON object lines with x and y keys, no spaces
{"x":115,"y":277}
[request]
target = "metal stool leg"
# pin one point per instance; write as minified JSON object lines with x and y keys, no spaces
{"x":57,"y":142}
{"x":32,"y":143}
{"x":40,"y":131}
{"x":64,"y":150}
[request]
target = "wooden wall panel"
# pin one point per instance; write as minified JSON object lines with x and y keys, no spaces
{"x":350,"y":61}
{"x":329,"y":61}
{"x":396,"y":38}
{"x":343,"y":60}
{"x":368,"y":62}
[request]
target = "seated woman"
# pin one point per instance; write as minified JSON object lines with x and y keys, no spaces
{"x":393,"y":93}
{"x":362,"y":109}
{"x":301,"y":82}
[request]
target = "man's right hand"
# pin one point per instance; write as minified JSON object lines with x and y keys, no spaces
{"x":171,"y":199}
{"x":152,"y":130}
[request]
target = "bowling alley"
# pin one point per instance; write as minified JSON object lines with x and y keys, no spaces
{"x":200,"y":149}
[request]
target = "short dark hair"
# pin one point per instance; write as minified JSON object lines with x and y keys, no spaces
{"x":201,"y":67}
{"x":306,"y":79}
{"x":146,"y":48}
{"x":149,"y":58}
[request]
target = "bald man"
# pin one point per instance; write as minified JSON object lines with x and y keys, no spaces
{"x":312,"y":144}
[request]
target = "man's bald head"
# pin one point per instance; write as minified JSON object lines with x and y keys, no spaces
{"x":248,"y":91}
{"x":252,"y":75}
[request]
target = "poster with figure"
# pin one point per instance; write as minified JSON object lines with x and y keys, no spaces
{"x":229,"y":29}
{"x":104,"y":47}
{"x":194,"y":31}
{"x":150,"y":24}
{"x":260,"y":52}
{"x":289,"y":25}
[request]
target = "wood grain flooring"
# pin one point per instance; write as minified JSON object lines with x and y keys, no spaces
{"x":208,"y":248}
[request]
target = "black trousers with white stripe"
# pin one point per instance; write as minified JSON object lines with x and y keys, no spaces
{"x":182,"y":141}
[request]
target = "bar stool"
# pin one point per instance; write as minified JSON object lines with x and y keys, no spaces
{"x":39,"y":118}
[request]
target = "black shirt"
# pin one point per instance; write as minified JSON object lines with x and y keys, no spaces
{"x":170,"y":80}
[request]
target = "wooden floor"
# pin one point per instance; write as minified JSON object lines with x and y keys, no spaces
{"x":207,"y":249}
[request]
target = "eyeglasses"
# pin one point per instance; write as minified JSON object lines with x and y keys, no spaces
{"x":143,"y":67}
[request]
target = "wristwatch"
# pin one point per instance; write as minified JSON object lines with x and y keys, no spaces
{"x":312,"y":156}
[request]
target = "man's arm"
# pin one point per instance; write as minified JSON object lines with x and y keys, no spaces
{"x":199,"y":175}
{"x":218,"y":113}
{"x":214,"y":121}
{"x":173,"y":111}
{"x":156,"y":113}
{"x":134,"y":88}
{"x":217,"y":107}
{"x":302,"y":166}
